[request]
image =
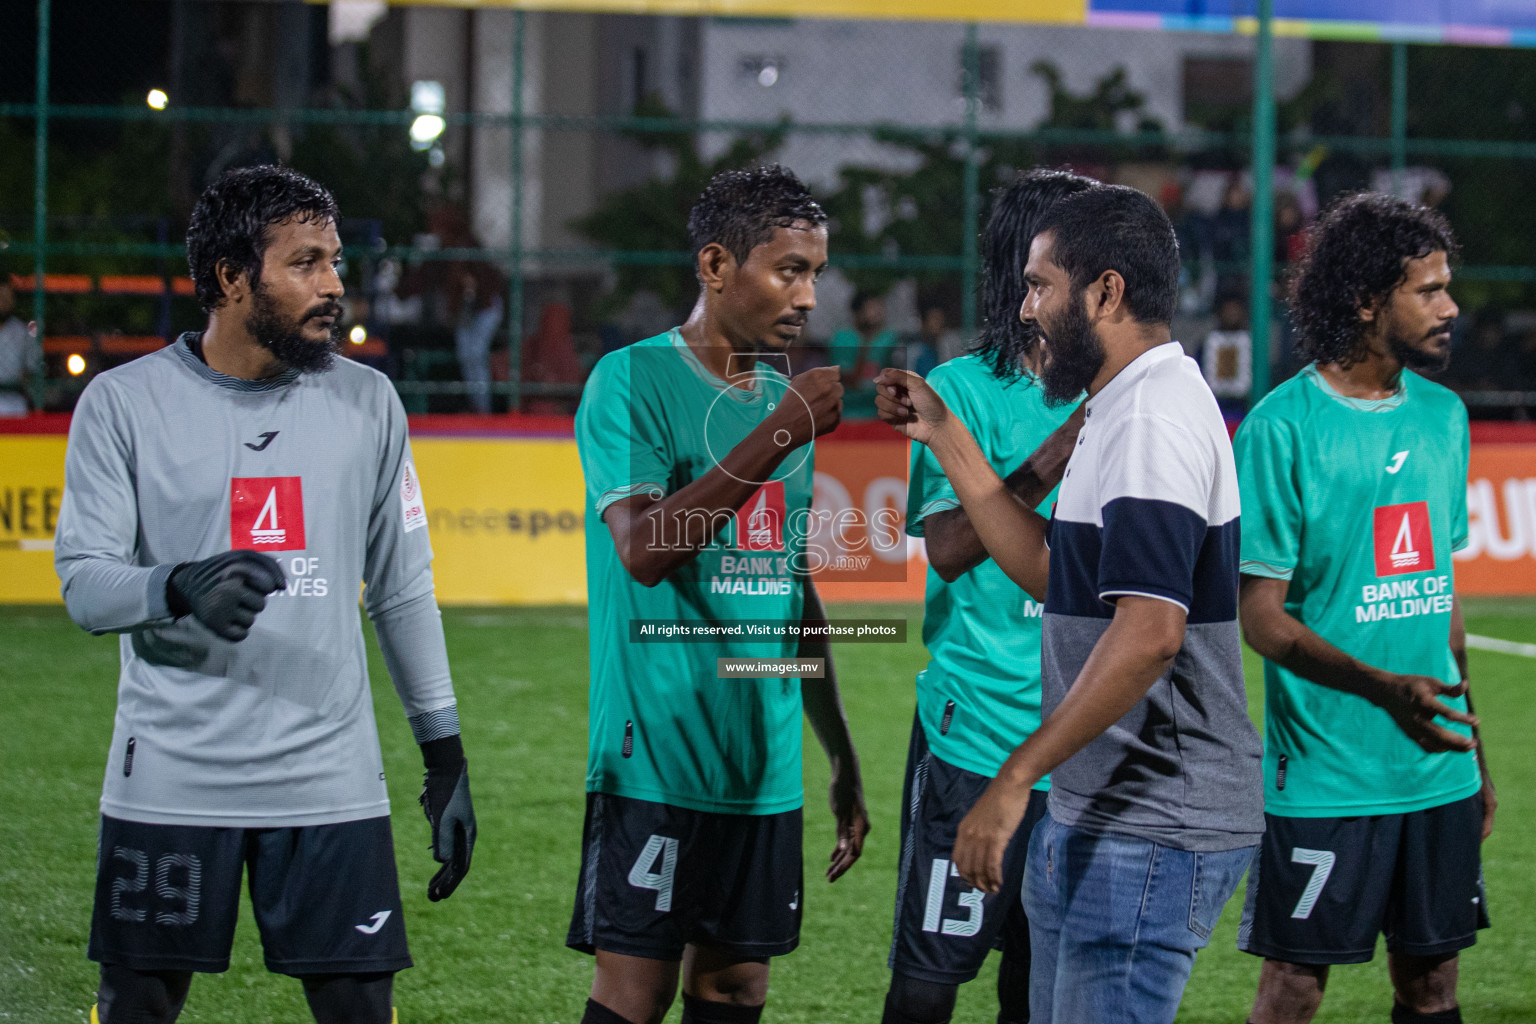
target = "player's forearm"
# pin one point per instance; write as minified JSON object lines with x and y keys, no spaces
{"x":1011,"y":531}
{"x":103,"y":595}
{"x":410,"y":631}
{"x":1133,"y":653}
{"x":820,"y":698}
{"x":671,"y":532}
{"x":954,"y":547}
{"x":1279,"y":637}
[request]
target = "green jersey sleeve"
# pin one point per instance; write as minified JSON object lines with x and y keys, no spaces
{"x":1265,"y":450}
{"x":929,"y":491}
{"x":1459,"y":533}
{"x":623,"y":445}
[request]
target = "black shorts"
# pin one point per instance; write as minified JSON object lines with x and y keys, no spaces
{"x":1322,"y":889}
{"x":326,"y":897}
{"x":944,"y":927}
{"x":655,"y":878}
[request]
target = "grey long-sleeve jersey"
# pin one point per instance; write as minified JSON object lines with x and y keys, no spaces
{"x":170,"y":461}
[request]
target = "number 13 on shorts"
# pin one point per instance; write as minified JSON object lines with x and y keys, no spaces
{"x":933,"y":919}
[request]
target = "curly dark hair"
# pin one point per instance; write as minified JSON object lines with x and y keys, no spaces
{"x":741,"y":209}
{"x":1003,"y":340}
{"x":1115,"y":227}
{"x":1356,"y":256}
{"x":230,"y":222}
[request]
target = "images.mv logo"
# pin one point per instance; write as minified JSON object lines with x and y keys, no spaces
{"x":1403,"y":539}
{"x":266,"y":513}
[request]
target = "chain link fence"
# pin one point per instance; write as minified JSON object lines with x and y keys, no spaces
{"x":515,"y":184}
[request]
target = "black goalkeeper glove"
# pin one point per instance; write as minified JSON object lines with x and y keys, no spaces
{"x":224,"y":592}
{"x":445,"y":798}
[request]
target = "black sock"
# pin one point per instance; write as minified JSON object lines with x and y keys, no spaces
{"x":127,"y":996}
{"x":1403,"y":1015}
{"x":350,"y":998}
{"x":597,"y":1013}
{"x":1013,"y":982}
{"x":913,"y":1001}
{"x":702,"y":1011}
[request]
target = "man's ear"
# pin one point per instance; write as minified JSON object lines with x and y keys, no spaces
{"x":1368,"y":311}
{"x":1106,"y":296}
{"x":715,"y":266}
{"x":234,"y":282}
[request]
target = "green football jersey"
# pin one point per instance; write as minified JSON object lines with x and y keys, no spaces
{"x":1359,"y":504}
{"x":979,"y":697}
{"x":661,"y":726}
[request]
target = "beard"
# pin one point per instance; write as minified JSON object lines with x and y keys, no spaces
{"x":284,"y":338}
{"x":1073,"y":355}
{"x":1419,"y":360}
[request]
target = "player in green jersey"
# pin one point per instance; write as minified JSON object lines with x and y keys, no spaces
{"x":698,"y":457}
{"x":1353,"y":479}
{"x":979,"y":696}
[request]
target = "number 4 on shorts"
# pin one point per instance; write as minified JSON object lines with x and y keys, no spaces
{"x":645,"y":876}
{"x":1322,"y":861}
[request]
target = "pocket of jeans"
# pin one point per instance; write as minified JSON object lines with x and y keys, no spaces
{"x":1215,"y":879}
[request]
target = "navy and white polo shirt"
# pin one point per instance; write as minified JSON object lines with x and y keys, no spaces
{"x":1149,"y":507}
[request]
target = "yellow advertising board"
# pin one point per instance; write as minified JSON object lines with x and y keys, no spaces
{"x":31,"y":489}
{"x":504,"y":515}
{"x":1064,"y":12}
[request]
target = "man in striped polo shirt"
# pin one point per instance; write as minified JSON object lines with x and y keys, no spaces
{"x":1155,"y":805}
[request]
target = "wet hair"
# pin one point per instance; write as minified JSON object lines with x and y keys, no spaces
{"x":1003,"y":340}
{"x":740,"y":210}
{"x":1115,"y":227}
{"x":230,"y":222}
{"x":1356,"y":256}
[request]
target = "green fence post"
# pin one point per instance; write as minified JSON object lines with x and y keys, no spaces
{"x":515,"y":270}
{"x":40,"y":198}
{"x":1399,"y":116}
{"x":972,"y":188}
{"x":1263,"y":223}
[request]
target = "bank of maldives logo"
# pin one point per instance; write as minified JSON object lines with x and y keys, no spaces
{"x":266,"y":513}
{"x":1403,"y":539}
{"x":760,"y":522}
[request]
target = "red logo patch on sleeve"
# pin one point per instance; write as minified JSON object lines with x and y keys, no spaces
{"x":266,"y":513}
{"x":760,"y":522}
{"x":1404,"y":542}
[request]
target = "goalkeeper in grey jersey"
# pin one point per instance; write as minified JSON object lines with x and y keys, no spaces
{"x":225,"y":499}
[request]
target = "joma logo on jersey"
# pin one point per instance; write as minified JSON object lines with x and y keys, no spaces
{"x":1403,"y":539}
{"x":760,"y":522}
{"x":266,"y":513}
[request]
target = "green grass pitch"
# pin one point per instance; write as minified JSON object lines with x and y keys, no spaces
{"x":495,"y":951}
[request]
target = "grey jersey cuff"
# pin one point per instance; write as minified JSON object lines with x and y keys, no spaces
{"x":435,"y":725}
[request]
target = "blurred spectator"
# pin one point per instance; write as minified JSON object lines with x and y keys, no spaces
{"x":862,"y":352}
{"x":1424,"y":185}
{"x":1231,"y":231}
{"x":549,"y":357}
{"x":1290,"y":230}
{"x":18,"y":354}
{"x":469,"y":293}
{"x":1226,"y":358}
{"x":936,"y":342}
{"x":1197,"y":278}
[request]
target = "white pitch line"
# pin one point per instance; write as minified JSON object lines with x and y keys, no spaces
{"x":1489,"y":643}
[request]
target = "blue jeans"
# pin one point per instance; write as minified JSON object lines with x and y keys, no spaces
{"x":1115,"y":921}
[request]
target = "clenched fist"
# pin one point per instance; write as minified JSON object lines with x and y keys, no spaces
{"x":818,"y":411}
